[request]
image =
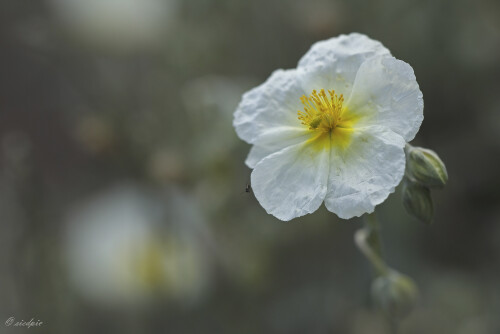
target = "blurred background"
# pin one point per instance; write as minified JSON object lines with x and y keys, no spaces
{"x":122,"y":183}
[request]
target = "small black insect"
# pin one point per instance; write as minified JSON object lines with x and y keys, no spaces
{"x":248,"y":188}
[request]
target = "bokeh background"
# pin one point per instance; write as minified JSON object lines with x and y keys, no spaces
{"x":122,"y":183}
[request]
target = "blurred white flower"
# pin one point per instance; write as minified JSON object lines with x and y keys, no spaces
{"x":331,"y":130}
{"x":127,"y":246}
{"x":121,"y":24}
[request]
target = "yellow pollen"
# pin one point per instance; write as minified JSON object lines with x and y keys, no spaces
{"x":321,"y":112}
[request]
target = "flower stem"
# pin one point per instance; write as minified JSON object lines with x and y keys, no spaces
{"x":368,"y":241}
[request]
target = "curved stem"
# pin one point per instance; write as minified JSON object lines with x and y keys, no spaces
{"x":368,"y":241}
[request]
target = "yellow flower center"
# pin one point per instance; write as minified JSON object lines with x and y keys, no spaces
{"x":321,"y":112}
{"x":331,"y":124}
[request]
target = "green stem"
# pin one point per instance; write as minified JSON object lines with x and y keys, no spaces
{"x":368,"y":241}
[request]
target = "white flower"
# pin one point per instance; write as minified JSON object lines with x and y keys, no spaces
{"x":120,"y":24}
{"x":331,"y":130}
{"x":129,"y":245}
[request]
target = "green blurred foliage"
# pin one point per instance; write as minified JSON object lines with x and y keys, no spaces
{"x":94,"y":96}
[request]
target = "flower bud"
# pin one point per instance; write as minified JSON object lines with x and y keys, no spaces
{"x":395,"y":293}
{"x":425,"y":167}
{"x":417,"y":201}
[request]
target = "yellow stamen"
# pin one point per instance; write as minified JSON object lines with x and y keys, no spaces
{"x":322,"y":112}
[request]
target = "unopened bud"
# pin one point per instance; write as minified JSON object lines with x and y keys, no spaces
{"x":395,"y":293}
{"x":417,"y":201}
{"x":425,"y":167}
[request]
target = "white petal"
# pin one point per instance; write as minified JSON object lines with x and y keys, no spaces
{"x":333,"y":64}
{"x":292,"y":182}
{"x":386,"y":93}
{"x":363,"y":174}
{"x":274,"y":103}
{"x":275,"y":140}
